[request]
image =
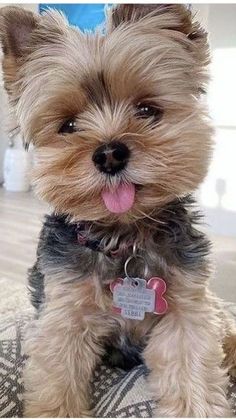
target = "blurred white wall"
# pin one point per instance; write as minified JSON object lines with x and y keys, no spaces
{"x":218,"y":193}
{"x":29,"y":6}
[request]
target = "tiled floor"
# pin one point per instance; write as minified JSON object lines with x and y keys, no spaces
{"x":20,"y":220}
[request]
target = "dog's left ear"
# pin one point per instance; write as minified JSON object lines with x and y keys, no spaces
{"x":176,"y":21}
{"x":174,"y":17}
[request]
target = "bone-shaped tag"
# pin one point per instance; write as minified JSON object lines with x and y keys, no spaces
{"x":133,"y":297}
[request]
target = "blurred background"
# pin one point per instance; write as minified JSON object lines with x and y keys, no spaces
{"x":21,"y":213}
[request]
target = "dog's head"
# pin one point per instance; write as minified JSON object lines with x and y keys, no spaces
{"x":115,"y":116}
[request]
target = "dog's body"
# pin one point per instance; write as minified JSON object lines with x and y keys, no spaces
{"x":79,"y":275}
{"x":122,"y":139}
{"x":60,"y":251}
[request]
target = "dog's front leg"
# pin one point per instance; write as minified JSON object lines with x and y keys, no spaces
{"x":63,"y":353}
{"x":184,"y":356}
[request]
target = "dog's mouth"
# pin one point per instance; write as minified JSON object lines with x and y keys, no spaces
{"x":120,"y":199}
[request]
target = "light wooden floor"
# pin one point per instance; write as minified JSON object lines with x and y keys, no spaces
{"x":20,"y":222}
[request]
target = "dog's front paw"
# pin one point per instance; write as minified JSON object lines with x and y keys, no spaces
{"x":33,"y":410}
{"x":168,"y":412}
{"x":36,"y":411}
{"x":86,"y":414}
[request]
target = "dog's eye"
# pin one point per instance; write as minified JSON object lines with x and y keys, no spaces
{"x":68,"y":127}
{"x":145,"y":110}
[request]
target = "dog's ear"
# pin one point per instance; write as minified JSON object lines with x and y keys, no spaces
{"x":175,"y":21}
{"x":169,"y":16}
{"x":21,"y":33}
{"x":16,"y":27}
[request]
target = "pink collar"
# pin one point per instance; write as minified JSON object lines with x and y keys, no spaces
{"x":84,"y":239}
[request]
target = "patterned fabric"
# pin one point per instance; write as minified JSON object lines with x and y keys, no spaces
{"x":11,"y":366}
{"x":116,"y":393}
{"x":120,"y":394}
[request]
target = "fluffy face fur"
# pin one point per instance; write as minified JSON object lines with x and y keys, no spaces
{"x":150,"y":54}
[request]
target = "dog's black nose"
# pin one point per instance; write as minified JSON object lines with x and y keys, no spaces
{"x":111,"y":158}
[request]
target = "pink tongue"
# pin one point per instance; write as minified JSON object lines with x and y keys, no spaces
{"x":121,"y":200}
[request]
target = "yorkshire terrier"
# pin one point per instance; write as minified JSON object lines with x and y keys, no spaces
{"x":122,"y":139}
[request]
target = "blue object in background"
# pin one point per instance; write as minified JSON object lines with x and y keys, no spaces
{"x":85,"y":16}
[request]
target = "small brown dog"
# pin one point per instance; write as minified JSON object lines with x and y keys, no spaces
{"x":121,"y":139}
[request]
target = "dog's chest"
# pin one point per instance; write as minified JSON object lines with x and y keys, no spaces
{"x":173,"y":243}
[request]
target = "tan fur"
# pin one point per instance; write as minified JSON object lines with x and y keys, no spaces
{"x":154,"y":54}
{"x":184,"y":351}
{"x":64,"y":352}
{"x":65,"y":345}
{"x":186,"y":362}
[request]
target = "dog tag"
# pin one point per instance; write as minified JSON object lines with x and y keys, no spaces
{"x":132,"y":298}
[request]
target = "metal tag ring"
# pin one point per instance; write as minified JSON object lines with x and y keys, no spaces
{"x":135,"y":257}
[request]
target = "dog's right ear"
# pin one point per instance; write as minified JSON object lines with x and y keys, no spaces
{"x":16,"y":27}
{"x":21,"y":33}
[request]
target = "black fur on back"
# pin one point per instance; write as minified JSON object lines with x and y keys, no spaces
{"x":36,"y":286}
